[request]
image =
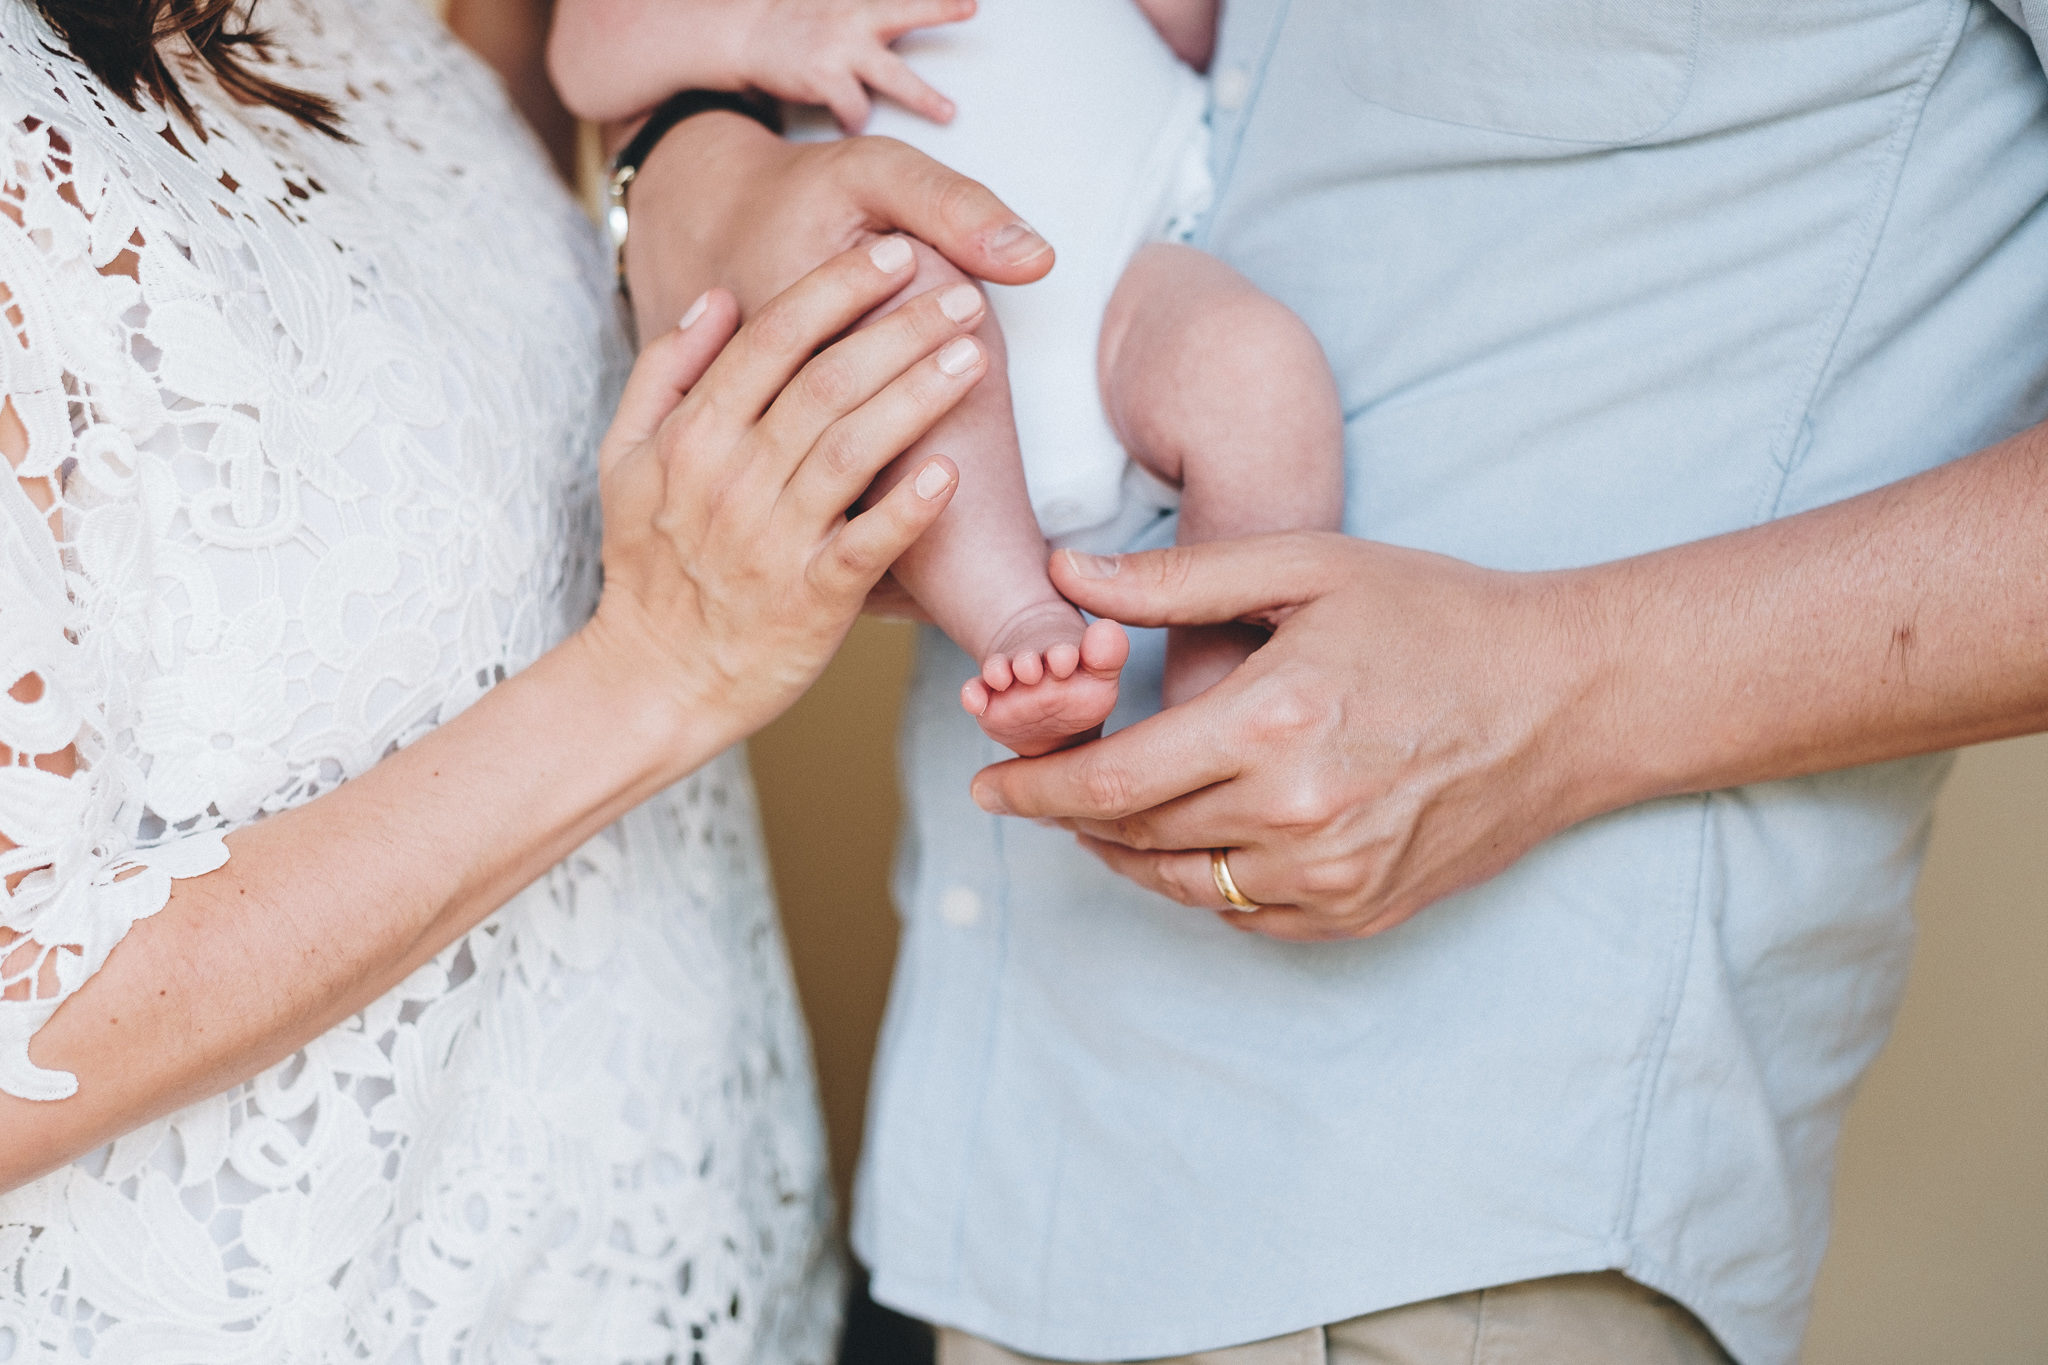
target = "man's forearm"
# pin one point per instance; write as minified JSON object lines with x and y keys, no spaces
{"x":1910,"y":619}
{"x":690,"y":195}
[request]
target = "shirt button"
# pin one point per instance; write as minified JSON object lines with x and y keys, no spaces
{"x":1232,"y":85}
{"x":960,"y":907}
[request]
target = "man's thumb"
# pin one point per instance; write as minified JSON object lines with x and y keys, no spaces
{"x":1253,"y":578}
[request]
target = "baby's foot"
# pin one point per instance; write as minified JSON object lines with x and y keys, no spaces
{"x":1047,"y":680}
{"x":1199,"y":657}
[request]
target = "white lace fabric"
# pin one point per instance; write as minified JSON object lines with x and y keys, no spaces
{"x":310,"y":467}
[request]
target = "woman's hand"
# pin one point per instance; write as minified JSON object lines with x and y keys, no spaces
{"x":732,"y":572}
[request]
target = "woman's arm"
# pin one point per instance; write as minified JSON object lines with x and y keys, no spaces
{"x":731,"y":574}
{"x":512,"y":38}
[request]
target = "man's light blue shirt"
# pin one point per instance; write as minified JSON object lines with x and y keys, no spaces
{"x":1596,"y":277}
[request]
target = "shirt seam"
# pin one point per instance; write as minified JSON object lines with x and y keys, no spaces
{"x":1789,"y":446}
{"x":1667,"y":1025}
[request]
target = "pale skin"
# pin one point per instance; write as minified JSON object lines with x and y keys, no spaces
{"x":1416,"y":723}
{"x":731,"y":573}
{"x":1210,"y":385}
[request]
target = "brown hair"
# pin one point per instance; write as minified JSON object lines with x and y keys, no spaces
{"x":123,"y":43}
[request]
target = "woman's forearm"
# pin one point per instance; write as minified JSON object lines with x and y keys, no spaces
{"x":1911,"y":619}
{"x":323,"y":908}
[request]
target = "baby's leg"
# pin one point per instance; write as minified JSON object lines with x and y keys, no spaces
{"x":1218,"y":388}
{"x":1046,"y":676}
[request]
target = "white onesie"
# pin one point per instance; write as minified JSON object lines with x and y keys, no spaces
{"x":1081,"y":118}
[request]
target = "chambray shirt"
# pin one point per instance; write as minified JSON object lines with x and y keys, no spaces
{"x":1595,"y":277}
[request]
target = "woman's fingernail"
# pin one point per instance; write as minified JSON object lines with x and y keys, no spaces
{"x":932,"y":480}
{"x":1092,"y":566}
{"x":961,"y":302}
{"x":985,"y":797}
{"x":891,"y":255}
{"x":694,"y":311}
{"x":959,"y":355}
{"x":1016,"y":244}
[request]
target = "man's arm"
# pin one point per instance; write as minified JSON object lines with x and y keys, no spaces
{"x":1416,"y":724}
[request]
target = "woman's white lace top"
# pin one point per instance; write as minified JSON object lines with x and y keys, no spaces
{"x":309,"y":467}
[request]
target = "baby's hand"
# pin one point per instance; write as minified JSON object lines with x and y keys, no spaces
{"x":833,"y":52}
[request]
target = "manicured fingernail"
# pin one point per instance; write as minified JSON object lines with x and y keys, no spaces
{"x":932,"y":480}
{"x":985,"y":796}
{"x":1016,"y":244}
{"x":959,"y":355}
{"x":891,"y":255}
{"x":961,"y":302}
{"x":694,"y":311}
{"x":1093,"y":566}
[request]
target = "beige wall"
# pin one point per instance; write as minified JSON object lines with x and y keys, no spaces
{"x":1941,"y":1249}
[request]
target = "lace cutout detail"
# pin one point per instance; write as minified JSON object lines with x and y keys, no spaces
{"x":309,"y":466}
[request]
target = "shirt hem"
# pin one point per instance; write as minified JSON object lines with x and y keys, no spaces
{"x":1036,"y":1337}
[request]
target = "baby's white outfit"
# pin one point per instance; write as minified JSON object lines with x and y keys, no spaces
{"x":1083,"y":120}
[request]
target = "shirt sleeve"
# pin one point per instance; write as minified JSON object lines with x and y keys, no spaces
{"x":2032,"y":17}
{"x":80,"y":860}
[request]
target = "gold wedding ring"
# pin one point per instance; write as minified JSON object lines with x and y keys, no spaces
{"x":1226,"y":885}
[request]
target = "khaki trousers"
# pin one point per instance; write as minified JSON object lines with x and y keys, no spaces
{"x":1604,"y":1319}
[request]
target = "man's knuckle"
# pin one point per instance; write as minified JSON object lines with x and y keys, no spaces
{"x":959,"y":201}
{"x":1172,"y":568}
{"x":1106,"y":791}
{"x":1306,"y":802}
{"x":1285,"y":715}
{"x":1327,"y":880}
{"x":1179,"y":885}
{"x":1133,"y":833}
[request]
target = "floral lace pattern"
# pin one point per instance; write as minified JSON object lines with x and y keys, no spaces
{"x":309,"y":467}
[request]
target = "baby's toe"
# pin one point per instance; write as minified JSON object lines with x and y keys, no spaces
{"x":1028,"y":667}
{"x":1062,"y":659}
{"x":1104,"y":647}
{"x":995,"y":672}
{"x":975,"y":696}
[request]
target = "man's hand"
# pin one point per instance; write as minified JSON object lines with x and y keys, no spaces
{"x":1416,"y":724}
{"x":1395,"y":741}
{"x":721,"y":201}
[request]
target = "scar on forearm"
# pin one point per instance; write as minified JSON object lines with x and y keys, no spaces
{"x":1901,"y":649}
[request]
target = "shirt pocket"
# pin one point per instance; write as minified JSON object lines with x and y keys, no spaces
{"x":1600,"y":72}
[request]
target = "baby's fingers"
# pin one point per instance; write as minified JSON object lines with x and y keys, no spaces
{"x":890,"y":76}
{"x":847,"y":98}
{"x":861,"y":550}
{"x":894,"y":18}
